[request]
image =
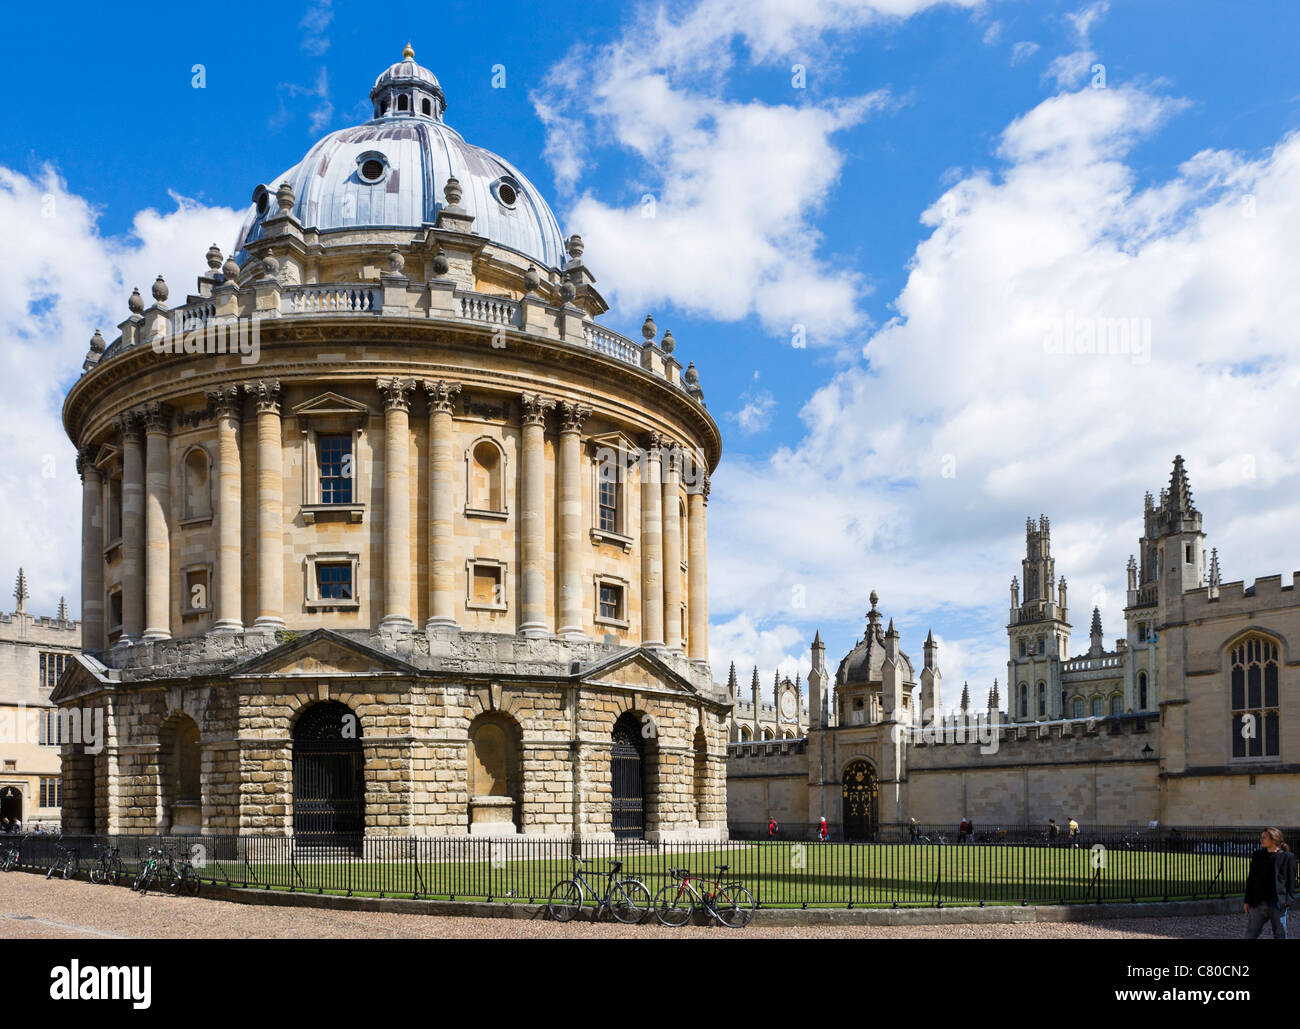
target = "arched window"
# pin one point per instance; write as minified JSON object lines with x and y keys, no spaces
{"x":701,"y":779}
{"x":1064,"y":708}
{"x":1078,"y":707}
{"x":198,"y":492}
{"x":181,"y":773}
{"x":681,"y":507}
{"x":745,"y":734}
{"x":425,"y":107}
{"x":1116,"y":704}
{"x":486,"y":478}
{"x":494,"y":791}
{"x":1256,"y":719}
{"x":1142,"y":691}
{"x":1096,"y":706}
{"x":1024,"y":700}
{"x":767,"y":734}
{"x":1042,"y":700}
{"x":403,"y":103}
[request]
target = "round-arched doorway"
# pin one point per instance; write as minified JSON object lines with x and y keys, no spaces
{"x":858,"y":795}
{"x":11,"y":803}
{"x":329,"y":789}
{"x":627,"y":779}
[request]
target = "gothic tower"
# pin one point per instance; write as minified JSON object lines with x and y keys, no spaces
{"x":1038,"y":631}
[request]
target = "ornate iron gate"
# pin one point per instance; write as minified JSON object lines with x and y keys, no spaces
{"x":858,"y":801}
{"x":628,"y":792}
{"x":329,"y":792}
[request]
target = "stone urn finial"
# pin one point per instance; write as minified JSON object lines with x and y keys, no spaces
{"x":230,"y":271}
{"x":648,"y":328}
{"x":568,"y":290}
{"x":440,"y":263}
{"x":272,"y":265}
{"x":135,"y":303}
{"x":160,"y":290}
{"x":452,"y":191}
{"x":213,"y":257}
{"x":284,"y":196}
{"x":574,"y":246}
{"x":97,"y":343}
{"x":691,"y":375}
{"x":532,"y":279}
{"x":396,"y":262}
{"x":668,"y":344}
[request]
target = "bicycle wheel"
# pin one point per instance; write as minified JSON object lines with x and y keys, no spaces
{"x":70,"y":868}
{"x":734,"y":906}
{"x":190,"y":881}
{"x":97,"y":875}
{"x":144,"y":880}
{"x":629,"y":901}
{"x":172,"y":884}
{"x":674,"y":905}
{"x":10,"y":860}
{"x":565,"y":900}
{"x":114,"y":872}
{"x":50,"y":873}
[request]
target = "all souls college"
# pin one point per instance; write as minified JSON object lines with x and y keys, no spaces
{"x":436,"y":564}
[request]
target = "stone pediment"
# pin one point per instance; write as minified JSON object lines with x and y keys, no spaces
{"x":84,"y":675}
{"x":330,"y":404}
{"x":324,"y":653}
{"x":638,"y":669}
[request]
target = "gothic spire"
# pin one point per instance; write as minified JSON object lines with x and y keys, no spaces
{"x":1180,"y":492}
{"x":1096,"y":621}
{"x":732,"y":685}
{"x":20,"y":592}
{"x":63,"y":609}
{"x":965,"y":696}
{"x":994,"y":702}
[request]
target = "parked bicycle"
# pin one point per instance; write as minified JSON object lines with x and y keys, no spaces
{"x":628,"y":899}
{"x":184,"y":877}
{"x":110,"y":868}
{"x":66,"y":862}
{"x":729,"y":902}
{"x":10,"y":854}
{"x":148,"y":874}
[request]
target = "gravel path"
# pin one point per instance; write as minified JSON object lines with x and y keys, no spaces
{"x":32,"y":907}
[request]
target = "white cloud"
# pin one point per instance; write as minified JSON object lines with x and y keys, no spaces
{"x":992,"y":33}
{"x":976,"y":419}
{"x":1023,"y":50}
{"x":65,"y":281}
{"x":755,"y":413}
{"x":1068,"y":70}
{"x":1084,"y":18}
{"x":702,"y":227}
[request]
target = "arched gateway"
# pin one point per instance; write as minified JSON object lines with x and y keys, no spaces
{"x":858,"y":801}
{"x":628,"y":779}
{"x":329,"y":792}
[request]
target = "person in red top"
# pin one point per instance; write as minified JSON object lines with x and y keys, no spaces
{"x":823,"y":833}
{"x":771,"y":828}
{"x":963,"y":830}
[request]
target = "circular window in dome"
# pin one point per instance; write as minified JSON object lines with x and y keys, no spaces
{"x":507,"y":192}
{"x":372,"y":167}
{"x":261,"y":199}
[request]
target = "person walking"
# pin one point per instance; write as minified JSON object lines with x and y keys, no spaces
{"x":1270,"y":885}
{"x":963,"y":830}
{"x":771,"y":828}
{"x":1073,"y":829}
{"x":914,"y":829}
{"x":1053,"y":832}
{"x":823,"y":833}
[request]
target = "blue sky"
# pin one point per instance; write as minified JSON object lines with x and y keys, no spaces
{"x":942,"y":183}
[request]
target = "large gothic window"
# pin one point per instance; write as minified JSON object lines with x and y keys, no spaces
{"x":1024,"y":700}
{"x":1042,"y":700}
{"x":1256,"y":725}
{"x":1142,"y":691}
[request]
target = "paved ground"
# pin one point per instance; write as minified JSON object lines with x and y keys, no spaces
{"x":32,"y":907}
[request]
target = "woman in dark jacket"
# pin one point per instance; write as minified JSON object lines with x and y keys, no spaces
{"x":1270,"y":885}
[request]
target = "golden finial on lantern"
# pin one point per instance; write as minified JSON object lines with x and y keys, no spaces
{"x":408,"y":53}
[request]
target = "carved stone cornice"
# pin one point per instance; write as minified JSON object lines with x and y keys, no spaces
{"x":397,"y":393}
{"x":265,"y":394}
{"x":572,"y":416}
{"x":225,"y":401}
{"x":442,"y":394}
{"x":535,"y":407}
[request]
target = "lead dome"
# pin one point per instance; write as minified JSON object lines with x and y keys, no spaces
{"x":390,"y":173}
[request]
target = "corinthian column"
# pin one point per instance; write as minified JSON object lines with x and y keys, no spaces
{"x":698,"y":571}
{"x":571,"y":592}
{"x":442,"y":463}
{"x":533,"y":519}
{"x":652,"y":565}
{"x":132,"y":528}
{"x":230,"y":555}
{"x":157,"y":541}
{"x":92,"y":552}
{"x":397,"y":504}
{"x":672,"y":551}
{"x":270,"y":506}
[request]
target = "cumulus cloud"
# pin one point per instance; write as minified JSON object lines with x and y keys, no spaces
{"x":1023,"y":50}
{"x":698,"y":226}
{"x":1062,"y":334}
{"x":66,"y":280}
{"x":756,"y":407}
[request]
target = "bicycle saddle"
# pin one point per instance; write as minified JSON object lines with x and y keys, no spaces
{"x":679,"y":873}
{"x":722,"y":868}
{"x":616,"y":866}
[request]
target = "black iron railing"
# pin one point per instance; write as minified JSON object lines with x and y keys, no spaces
{"x":999,"y":867}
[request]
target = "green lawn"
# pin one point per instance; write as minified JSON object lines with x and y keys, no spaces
{"x":780,"y":875}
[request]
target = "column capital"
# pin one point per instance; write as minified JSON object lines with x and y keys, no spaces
{"x":86,"y":461}
{"x":572,"y":416}
{"x":651,"y":443}
{"x":397,"y":393}
{"x":535,"y":407}
{"x":131,"y":427}
{"x":672,"y":453}
{"x":225,"y":401}
{"x":157,"y":417}
{"x":266,"y":394}
{"x":442,"y":395}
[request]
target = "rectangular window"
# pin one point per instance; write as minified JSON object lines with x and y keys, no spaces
{"x":1022,"y":648}
{"x":196,"y":598}
{"x":334,"y":581}
{"x":487,"y":586}
{"x":334,"y":456}
{"x":51,"y":731}
{"x":1042,"y":645}
{"x":115,"y":609}
{"x":608,"y":497}
{"x":1142,"y":632}
{"x":52,"y":666}
{"x":611,"y":602}
{"x":51,"y":792}
{"x":114,"y":509}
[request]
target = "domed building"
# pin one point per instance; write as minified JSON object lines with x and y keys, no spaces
{"x":383,"y":533}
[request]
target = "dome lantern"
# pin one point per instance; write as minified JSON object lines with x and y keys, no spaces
{"x":408,"y":89}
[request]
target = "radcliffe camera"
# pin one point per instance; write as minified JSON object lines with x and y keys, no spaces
{"x":674,"y":470}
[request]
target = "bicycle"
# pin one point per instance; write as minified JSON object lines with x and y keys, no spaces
{"x":11,"y":855}
{"x":148,"y":872}
{"x":628,"y":900}
{"x":184,"y":876}
{"x":66,"y":862}
{"x":110,"y":868}
{"x":730,"y":903}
